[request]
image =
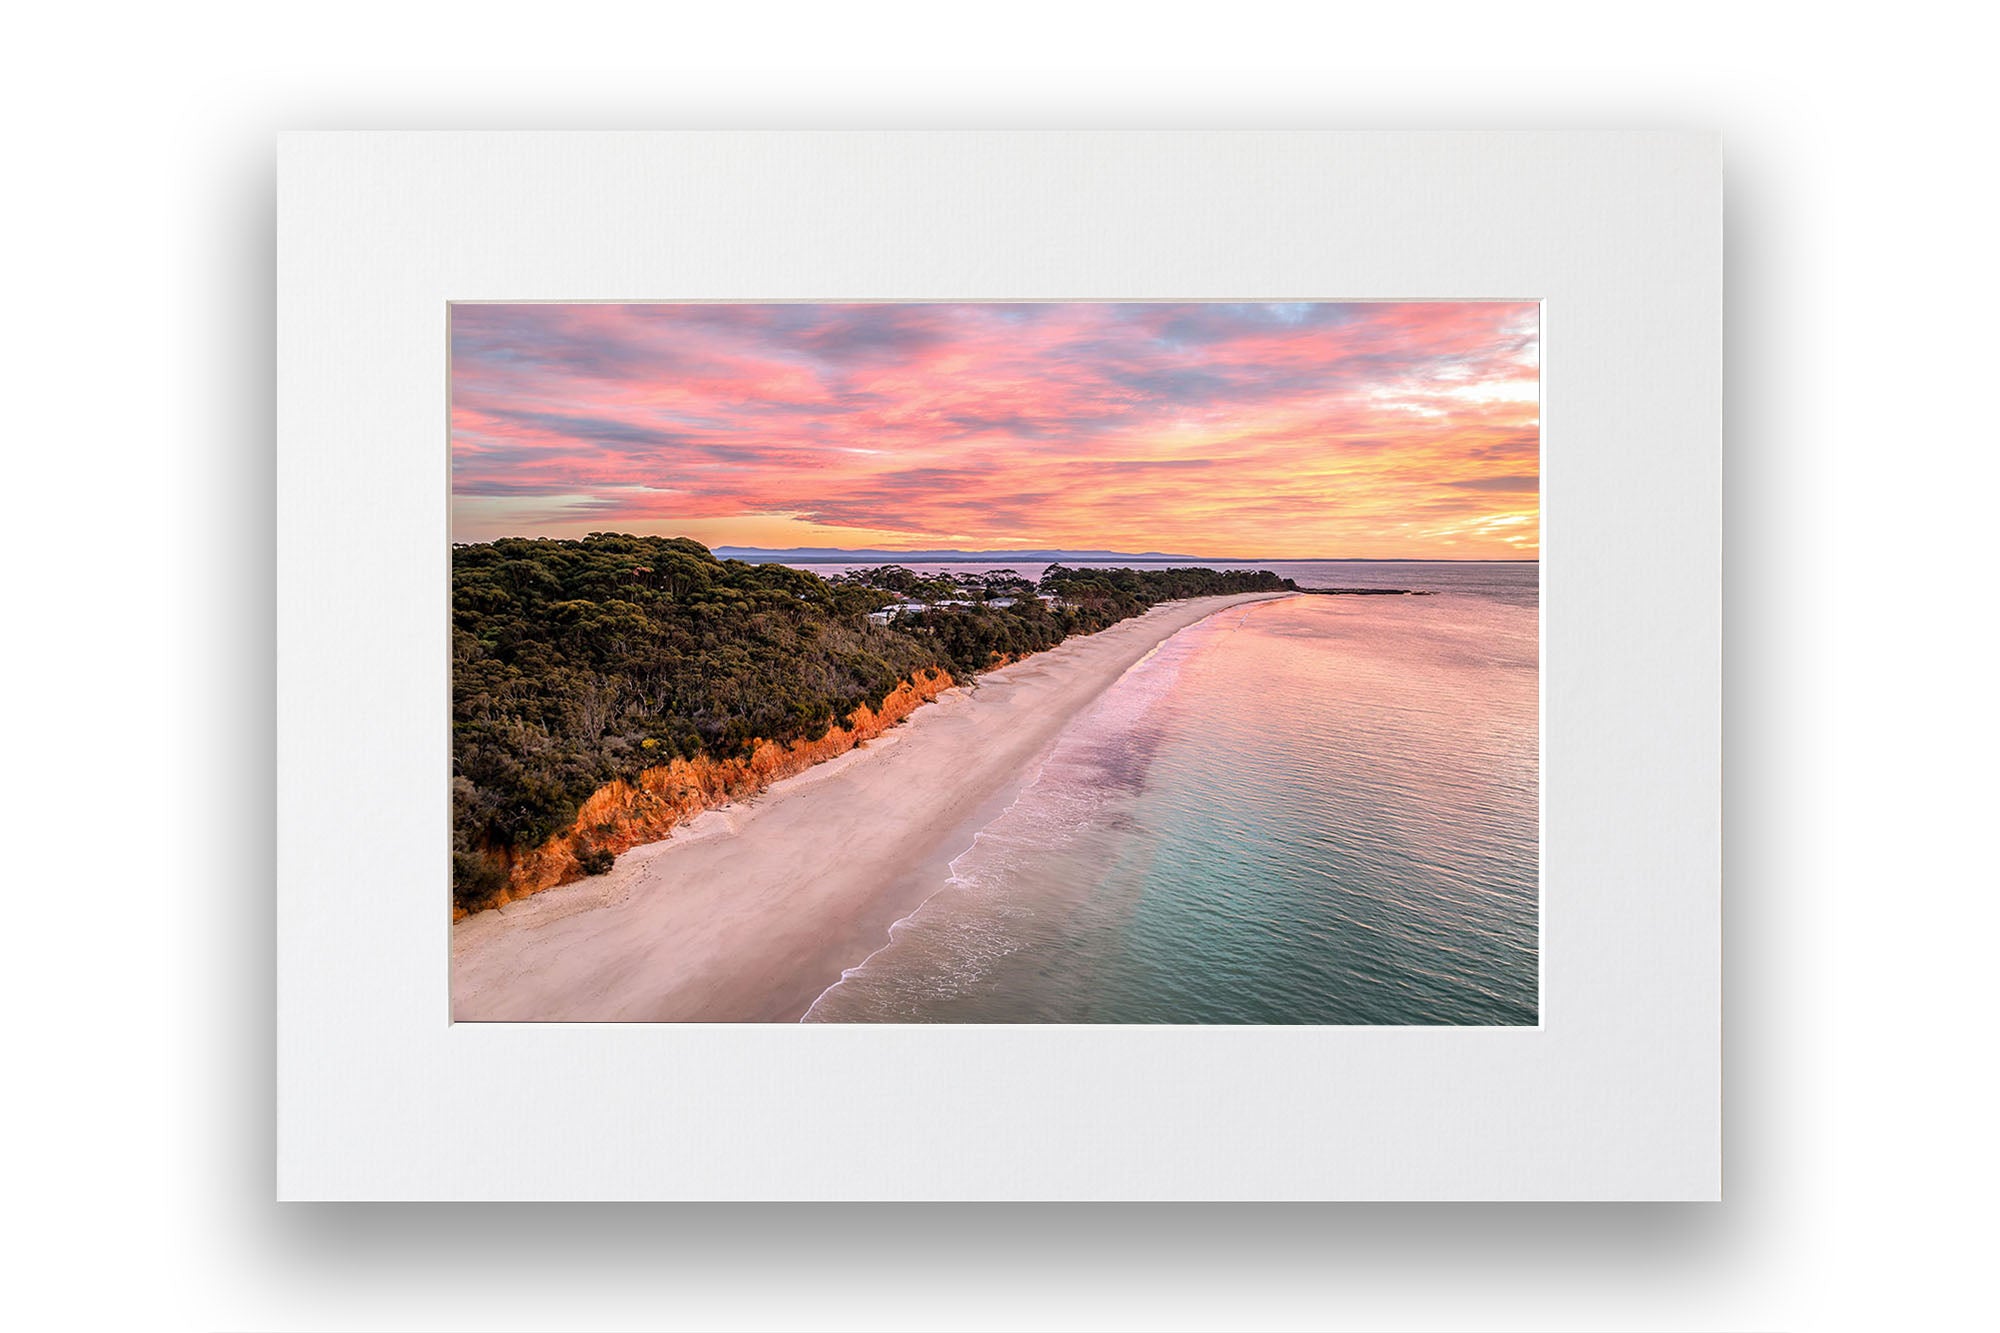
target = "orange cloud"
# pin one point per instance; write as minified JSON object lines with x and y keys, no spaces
{"x":1374,"y":429}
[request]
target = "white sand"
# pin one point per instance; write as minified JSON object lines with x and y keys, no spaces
{"x":747,"y":913}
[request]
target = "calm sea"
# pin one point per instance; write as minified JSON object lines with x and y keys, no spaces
{"x":1313,"y":810}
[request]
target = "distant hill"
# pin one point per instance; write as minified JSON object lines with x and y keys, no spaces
{"x":834,"y":555}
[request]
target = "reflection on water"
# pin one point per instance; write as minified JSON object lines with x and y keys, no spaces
{"x":1314,"y":810}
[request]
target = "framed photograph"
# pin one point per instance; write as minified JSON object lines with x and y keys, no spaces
{"x":1113,"y":773}
{"x":999,"y":666}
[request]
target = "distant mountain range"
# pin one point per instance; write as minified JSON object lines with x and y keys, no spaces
{"x":834,"y":555}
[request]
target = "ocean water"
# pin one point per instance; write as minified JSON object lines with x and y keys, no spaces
{"x":1312,"y":810}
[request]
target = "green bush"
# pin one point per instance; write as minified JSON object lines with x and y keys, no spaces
{"x":575,"y":663}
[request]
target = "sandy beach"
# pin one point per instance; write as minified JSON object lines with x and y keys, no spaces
{"x":748,"y":913}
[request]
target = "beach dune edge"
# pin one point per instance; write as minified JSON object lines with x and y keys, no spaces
{"x":749,"y":912}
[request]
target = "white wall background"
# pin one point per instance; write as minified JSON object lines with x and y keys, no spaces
{"x":137,"y":351}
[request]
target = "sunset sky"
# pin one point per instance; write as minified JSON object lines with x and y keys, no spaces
{"x":1281,"y":430}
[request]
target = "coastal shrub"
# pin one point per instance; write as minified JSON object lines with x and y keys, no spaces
{"x":595,"y":860}
{"x":476,"y":876}
{"x":575,"y":663}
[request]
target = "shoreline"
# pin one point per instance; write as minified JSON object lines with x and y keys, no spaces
{"x":711,"y":926}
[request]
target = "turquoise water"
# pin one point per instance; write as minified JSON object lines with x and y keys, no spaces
{"x":1313,"y":810}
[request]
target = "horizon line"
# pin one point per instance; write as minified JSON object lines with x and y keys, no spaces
{"x":938,"y":554}
{"x":1053,"y":554}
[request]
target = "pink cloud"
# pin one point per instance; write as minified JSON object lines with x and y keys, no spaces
{"x":1269,"y":429}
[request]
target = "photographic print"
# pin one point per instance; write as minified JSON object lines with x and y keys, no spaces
{"x":1022,"y":662}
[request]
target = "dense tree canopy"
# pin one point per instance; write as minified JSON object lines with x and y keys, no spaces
{"x":578,"y":662}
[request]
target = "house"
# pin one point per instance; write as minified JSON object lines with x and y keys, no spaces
{"x":888,"y":613}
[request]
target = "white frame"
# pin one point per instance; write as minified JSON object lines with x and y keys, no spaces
{"x":1615,"y":1096}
